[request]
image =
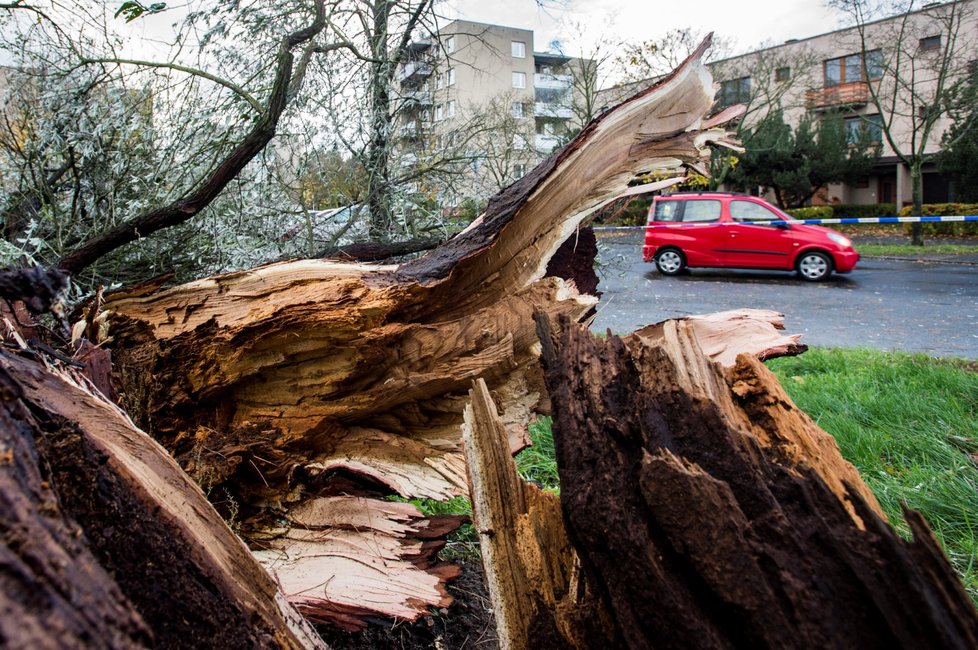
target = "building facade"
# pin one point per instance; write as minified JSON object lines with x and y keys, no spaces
{"x":886,"y":77}
{"x":480,"y":96}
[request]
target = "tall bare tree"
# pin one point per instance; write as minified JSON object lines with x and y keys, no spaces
{"x":918,"y":60}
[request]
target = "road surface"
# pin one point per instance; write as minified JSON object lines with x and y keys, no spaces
{"x":887,"y":304}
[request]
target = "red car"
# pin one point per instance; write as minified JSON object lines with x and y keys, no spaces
{"x":718,"y":229}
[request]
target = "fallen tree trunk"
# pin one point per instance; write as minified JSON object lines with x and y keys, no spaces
{"x":305,"y":381}
{"x":736,"y":521}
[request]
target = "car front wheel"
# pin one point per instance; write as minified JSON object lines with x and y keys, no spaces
{"x":814,"y":266}
{"x":670,"y":261}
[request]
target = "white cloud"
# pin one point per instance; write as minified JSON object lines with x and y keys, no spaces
{"x":748,"y":24}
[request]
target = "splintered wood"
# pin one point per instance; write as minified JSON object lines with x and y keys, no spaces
{"x":307,"y":380}
{"x":540,"y":597}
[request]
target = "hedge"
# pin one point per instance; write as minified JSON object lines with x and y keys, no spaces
{"x":812,"y":212}
{"x":866,"y":211}
{"x":945,"y":210}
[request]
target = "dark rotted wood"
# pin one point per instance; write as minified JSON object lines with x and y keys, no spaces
{"x":574,"y":260}
{"x":39,"y":288}
{"x":719,"y":540}
{"x":53,"y":591}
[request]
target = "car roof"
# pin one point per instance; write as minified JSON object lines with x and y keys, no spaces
{"x":687,"y":195}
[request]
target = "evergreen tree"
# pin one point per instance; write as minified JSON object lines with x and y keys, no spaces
{"x":796,"y":164}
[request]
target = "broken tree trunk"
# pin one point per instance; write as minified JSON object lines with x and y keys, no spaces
{"x":540,"y":597}
{"x":712,"y":513}
{"x":106,"y":542}
{"x":300,"y":382}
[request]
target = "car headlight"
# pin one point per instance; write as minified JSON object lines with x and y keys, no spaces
{"x":839,"y":239}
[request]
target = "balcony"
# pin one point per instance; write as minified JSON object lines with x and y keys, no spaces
{"x":544,"y":143}
{"x":558,"y":111}
{"x":417,"y":99}
{"x":852,"y":94}
{"x":555,"y":81}
{"x":413,"y":130}
{"x":413,"y":70}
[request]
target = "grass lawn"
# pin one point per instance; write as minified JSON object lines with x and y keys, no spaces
{"x":906,"y":250}
{"x":909,"y":423}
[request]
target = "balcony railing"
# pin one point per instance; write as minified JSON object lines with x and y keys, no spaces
{"x":417,"y":99}
{"x":544,"y":144}
{"x":850,"y":94}
{"x":545,"y":109}
{"x":557,"y":81}
{"x":414,"y":70}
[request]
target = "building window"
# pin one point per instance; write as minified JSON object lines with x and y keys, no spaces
{"x":517,"y":109}
{"x":450,"y":77}
{"x":850,"y":68}
{"x":930,"y":43}
{"x":439,"y":113}
{"x":867,"y":128}
{"x":450,"y":108}
{"x":519,"y":80}
{"x":519,"y":50}
{"x":439,"y":81}
{"x":449,"y":45}
{"x":519,"y":170}
{"x":519,"y":142}
{"x":735,"y":91}
{"x":782,"y":74}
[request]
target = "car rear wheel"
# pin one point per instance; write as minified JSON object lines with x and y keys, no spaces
{"x":814,"y":266}
{"x":670,"y":261}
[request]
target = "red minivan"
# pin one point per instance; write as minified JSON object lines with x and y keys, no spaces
{"x":720,"y":229}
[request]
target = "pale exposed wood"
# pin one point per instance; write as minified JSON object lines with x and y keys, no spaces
{"x":348,"y":557}
{"x":539,"y":594}
{"x":724,"y":335}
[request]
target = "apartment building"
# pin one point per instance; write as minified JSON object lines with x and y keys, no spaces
{"x":900,"y":58}
{"x":482,"y":95}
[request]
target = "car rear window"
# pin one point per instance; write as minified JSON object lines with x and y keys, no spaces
{"x":701,"y":210}
{"x":666,"y":211}
{"x":750,"y":211}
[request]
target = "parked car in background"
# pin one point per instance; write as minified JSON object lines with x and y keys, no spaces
{"x":721,"y":229}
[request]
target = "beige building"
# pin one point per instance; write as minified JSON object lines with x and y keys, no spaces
{"x":480,"y":94}
{"x":900,"y":59}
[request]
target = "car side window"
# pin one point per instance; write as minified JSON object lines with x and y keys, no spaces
{"x":666,"y":211}
{"x":745,"y":211}
{"x":701,"y":210}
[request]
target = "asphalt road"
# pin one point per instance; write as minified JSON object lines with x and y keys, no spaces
{"x":887,"y":304}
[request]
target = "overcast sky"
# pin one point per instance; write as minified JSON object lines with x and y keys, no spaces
{"x":748,"y":22}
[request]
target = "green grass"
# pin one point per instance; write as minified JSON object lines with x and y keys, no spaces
{"x":536,"y":463}
{"x":906,"y":250}
{"x":909,"y":423}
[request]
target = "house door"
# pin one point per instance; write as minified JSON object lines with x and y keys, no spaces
{"x":886,"y":191}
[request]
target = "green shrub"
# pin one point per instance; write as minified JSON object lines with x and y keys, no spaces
{"x":955,"y":228}
{"x":812,"y":212}
{"x":868,"y":211}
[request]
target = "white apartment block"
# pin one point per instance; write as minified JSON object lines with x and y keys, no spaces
{"x":837,"y":72}
{"x":481,"y":93}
